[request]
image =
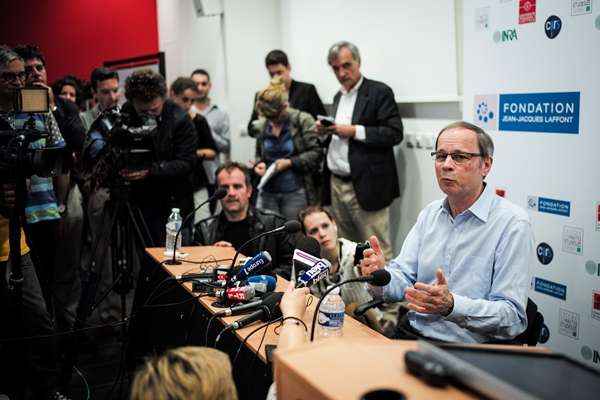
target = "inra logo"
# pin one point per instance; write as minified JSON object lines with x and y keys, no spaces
{"x":552,"y":26}
{"x":507,"y":35}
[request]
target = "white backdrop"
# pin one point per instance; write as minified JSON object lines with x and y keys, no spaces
{"x":408,"y":44}
{"x":555,"y":176}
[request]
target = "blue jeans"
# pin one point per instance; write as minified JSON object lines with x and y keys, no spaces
{"x":287,"y":205}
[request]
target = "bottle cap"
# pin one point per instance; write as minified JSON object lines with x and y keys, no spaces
{"x":334,"y":291}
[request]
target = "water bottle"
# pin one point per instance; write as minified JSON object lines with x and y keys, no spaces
{"x":331,"y":315}
{"x":173,"y":225}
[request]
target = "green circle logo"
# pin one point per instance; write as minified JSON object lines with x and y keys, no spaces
{"x":591,"y":267}
{"x":586,"y":353}
{"x":497,"y":36}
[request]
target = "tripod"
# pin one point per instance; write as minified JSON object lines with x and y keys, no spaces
{"x":124,"y":235}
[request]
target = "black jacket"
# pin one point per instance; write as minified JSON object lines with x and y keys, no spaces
{"x":372,"y":163}
{"x":280,"y":246}
{"x":170,"y":178}
{"x":69,"y":123}
{"x":204,"y":141}
{"x":303,"y":96}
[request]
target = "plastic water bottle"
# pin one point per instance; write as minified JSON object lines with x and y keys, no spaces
{"x":331,"y":315}
{"x":173,"y":225}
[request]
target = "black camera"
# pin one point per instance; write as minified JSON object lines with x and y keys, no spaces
{"x":128,"y":145}
{"x":19,"y":152}
{"x":359,"y":254}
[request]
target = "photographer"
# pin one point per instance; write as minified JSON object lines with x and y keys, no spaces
{"x":165,"y":181}
{"x":26,"y":315}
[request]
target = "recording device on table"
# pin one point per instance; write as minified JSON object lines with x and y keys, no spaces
{"x":325,"y":120}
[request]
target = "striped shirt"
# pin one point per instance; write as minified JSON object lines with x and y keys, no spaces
{"x":40,"y":200}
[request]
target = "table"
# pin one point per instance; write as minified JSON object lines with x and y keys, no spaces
{"x":352,"y":328}
{"x":346,"y":369}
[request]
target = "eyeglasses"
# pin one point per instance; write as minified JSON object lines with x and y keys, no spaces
{"x":13,"y":76}
{"x":459,"y":157}
{"x":38,"y":67}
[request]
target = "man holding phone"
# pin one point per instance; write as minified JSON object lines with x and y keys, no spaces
{"x":361,"y":179}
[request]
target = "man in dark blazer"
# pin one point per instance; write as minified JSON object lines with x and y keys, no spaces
{"x":362,"y":180}
{"x":302,"y":96}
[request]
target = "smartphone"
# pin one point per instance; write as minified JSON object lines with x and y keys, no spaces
{"x":326,"y":121}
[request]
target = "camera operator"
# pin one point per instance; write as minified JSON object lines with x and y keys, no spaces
{"x":37,"y":356}
{"x":166,"y":183}
{"x":56,"y":239}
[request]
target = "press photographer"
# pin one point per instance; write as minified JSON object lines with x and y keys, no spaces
{"x":25,"y":137}
{"x":151,"y":144}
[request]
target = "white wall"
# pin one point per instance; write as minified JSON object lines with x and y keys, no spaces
{"x":232,"y":48}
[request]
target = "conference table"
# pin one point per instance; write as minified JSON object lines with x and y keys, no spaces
{"x":337,"y":368}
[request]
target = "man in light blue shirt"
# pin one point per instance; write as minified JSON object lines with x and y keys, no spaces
{"x":463,"y":268}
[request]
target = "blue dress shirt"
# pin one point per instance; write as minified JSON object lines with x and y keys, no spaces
{"x":485,"y":253}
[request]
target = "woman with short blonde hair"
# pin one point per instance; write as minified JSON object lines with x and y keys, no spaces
{"x":197,"y":373}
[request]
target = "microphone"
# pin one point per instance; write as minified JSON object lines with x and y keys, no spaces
{"x":319,"y":271}
{"x":262,"y":283}
{"x":381,"y":277}
{"x":241,"y":293}
{"x":363,"y":308}
{"x":306,"y":254}
{"x":291,"y":226}
{"x":251,"y":266}
{"x":308,"y":245}
{"x":243,"y":307}
{"x":217,"y":195}
{"x":268,"y":311}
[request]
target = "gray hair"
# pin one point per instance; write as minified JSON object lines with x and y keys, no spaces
{"x":484,"y":141}
{"x":334,"y":51}
{"x":7,"y":55}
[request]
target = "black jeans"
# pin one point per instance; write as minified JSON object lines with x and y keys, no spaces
{"x":28,"y":364}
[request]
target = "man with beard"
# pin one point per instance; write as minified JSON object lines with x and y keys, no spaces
{"x":238,"y":221}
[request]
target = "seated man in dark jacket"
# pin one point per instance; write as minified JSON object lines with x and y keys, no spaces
{"x":239,"y":222}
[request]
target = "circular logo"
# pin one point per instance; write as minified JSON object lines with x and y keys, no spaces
{"x":586,"y":353}
{"x":497,"y":36}
{"x":591,"y":267}
{"x":545,"y":253}
{"x":484,"y":114}
{"x":552,"y":26}
{"x":598,"y":22}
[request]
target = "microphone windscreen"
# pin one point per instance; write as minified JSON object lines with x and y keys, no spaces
{"x":292,"y":226}
{"x":272,"y":299}
{"x":219,"y":193}
{"x":309,"y":245}
{"x":381,"y":277}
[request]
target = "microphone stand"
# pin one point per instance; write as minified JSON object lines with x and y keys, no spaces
{"x":218,"y":194}
{"x":283,"y":228}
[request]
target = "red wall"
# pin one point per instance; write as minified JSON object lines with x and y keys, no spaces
{"x":78,"y":35}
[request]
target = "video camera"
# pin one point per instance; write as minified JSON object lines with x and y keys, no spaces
{"x":128,"y":145}
{"x":18,"y":151}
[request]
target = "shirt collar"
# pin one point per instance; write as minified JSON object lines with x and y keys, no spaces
{"x":355,"y":88}
{"x":481,"y":207}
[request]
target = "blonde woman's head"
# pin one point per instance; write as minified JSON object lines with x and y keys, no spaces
{"x":272,"y":100}
{"x":185,"y":373}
